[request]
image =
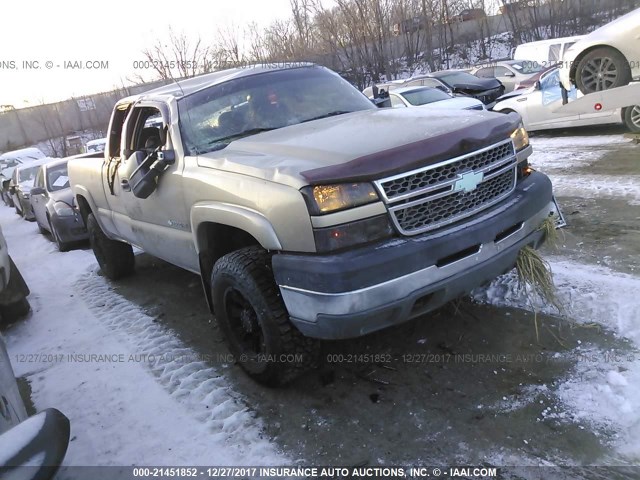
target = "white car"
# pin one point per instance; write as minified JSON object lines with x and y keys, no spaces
{"x":536,"y":107}
{"x":427,"y":97}
{"x":608,"y":57}
{"x":95,"y":145}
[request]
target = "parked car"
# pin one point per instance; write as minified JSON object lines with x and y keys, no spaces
{"x":95,"y":145}
{"x":428,"y":97}
{"x":536,"y":107}
{"x":545,"y":53}
{"x":21,"y":184}
{"x":13,"y":289}
{"x":30,"y":448}
{"x":54,"y":206}
{"x":8,"y":162}
{"x":608,"y":57}
{"x":308,"y":212}
{"x":511,"y":73}
{"x":456,"y":82}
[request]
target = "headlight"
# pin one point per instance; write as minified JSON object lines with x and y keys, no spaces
{"x":322,"y":199}
{"x":520,"y":138}
{"x":63,"y":210}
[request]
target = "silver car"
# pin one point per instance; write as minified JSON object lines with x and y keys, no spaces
{"x":21,"y":184}
{"x":510,"y":72}
{"x":53,"y":204}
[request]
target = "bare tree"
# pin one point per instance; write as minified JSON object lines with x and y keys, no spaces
{"x":179,"y":57}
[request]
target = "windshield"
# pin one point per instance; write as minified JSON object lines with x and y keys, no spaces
{"x":527,"y":68}
{"x":57,"y":178}
{"x":27,"y":174}
{"x":422,"y":96}
{"x":458,"y":77}
{"x":214,"y":117}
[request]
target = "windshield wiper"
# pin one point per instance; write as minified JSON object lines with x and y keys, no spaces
{"x":330,"y":114}
{"x":224,"y":141}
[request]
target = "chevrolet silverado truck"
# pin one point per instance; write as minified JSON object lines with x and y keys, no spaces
{"x":308,"y":212}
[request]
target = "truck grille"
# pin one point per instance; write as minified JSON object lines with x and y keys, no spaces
{"x":440,"y":194}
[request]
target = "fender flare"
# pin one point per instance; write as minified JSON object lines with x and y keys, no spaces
{"x":80,"y":191}
{"x":242,"y":218}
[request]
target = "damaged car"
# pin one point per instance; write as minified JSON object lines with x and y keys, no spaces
{"x":459,"y":83}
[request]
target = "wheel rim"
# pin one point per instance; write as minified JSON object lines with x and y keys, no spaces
{"x":243,"y":321}
{"x":635,"y":116}
{"x":599,"y":74}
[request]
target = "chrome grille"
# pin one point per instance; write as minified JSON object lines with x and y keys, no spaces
{"x":440,"y":194}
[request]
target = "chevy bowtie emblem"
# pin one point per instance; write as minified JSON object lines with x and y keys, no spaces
{"x":468,"y":181}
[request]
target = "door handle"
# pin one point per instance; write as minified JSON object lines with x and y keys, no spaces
{"x":124,"y":183}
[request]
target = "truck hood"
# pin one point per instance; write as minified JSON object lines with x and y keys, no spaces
{"x":361,"y":146}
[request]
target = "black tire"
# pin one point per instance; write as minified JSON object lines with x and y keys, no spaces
{"x":18,"y":211}
{"x":14,"y":311}
{"x":42,"y":231}
{"x":115,"y":258}
{"x":631,"y":116}
{"x":602,"y":69}
{"x":62,"y":246}
{"x":254,"y":320}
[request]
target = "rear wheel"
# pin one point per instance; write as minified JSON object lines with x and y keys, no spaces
{"x":602,"y":69}
{"x":253,"y":317}
{"x":115,"y":258}
{"x":631,"y":117}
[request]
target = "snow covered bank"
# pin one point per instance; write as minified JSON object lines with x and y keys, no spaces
{"x":85,"y":351}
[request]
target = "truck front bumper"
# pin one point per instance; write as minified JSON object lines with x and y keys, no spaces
{"x":352,"y":293}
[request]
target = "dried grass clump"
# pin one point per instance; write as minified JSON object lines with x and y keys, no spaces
{"x":534,"y":273}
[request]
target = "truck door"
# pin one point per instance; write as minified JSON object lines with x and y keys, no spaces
{"x":114,"y":218}
{"x":161,"y":221}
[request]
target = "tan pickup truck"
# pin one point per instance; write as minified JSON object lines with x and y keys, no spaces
{"x":308,"y":212}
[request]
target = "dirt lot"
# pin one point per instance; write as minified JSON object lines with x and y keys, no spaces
{"x":468,"y":384}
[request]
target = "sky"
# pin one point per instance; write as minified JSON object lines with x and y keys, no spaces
{"x":107,"y":36}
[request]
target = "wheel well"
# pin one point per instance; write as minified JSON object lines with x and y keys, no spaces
{"x":215,"y":240}
{"x":574,"y":65}
{"x":83,"y":206}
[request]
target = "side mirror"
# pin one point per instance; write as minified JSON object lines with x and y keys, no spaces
{"x":38,"y":191}
{"x":144,"y":179}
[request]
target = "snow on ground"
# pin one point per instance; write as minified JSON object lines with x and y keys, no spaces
{"x":557,"y":155}
{"x":603,"y":391}
{"x":589,"y":294}
{"x":123,"y":409}
{"x":563,"y":152}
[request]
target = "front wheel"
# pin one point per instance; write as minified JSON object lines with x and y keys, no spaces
{"x":62,"y":246}
{"x":602,"y":69}
{"x":631,"y":117}
{"x":254,"y":320}
{"x":115,"y":258}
